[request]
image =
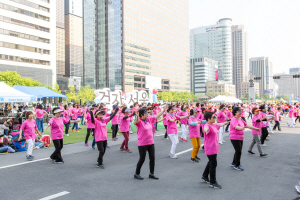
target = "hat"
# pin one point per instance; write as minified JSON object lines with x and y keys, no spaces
{"x":156,"y":104}
{"x":99,"y":112}
{"x":143,"y":111}
{"x":127,"y":110}
{"x":57,"y":111}
{"x":90,"y":107}
{"x":257,"y":110}
{"x":115,"y":106}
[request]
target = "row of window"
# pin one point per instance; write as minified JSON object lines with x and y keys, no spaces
{"x":23,"y":35}
{"x":24,"y":48}
{"x":136,"y":71}
{"x":22,"y":23}
{"x":24,"y":12}
{"x":137,"y":53}
{"x":137,"y":65}
{"x":128,"y":83}
{"x":22,"y":59}
{"x":136,"y":59}
{"x":128,"y":77}
{"x":137,"y":47}
{"x":33,"y":5}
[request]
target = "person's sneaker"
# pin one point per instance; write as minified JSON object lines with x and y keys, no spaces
{"x":72,"y":130}
{"x":297,"y":188}
{"x":118,"y":133}
{"x":153,"y":176}
{"x":220,"y":142}
{"x":59,"y":162}
{"x":251,"y":152}
{"x":226,"y":131}
{"x":215,"y":185}
{"x":34,"y":148}
{"x":180,"y":139}
{"x":206,"y":180}
{"x":107,"y":147}
{"x":116,"y":138}
{"x":173,"y":156}
{"x":263,"y":145}
{"x":113,"y":139}
{"x":37,"y":147}
{"x":197,"y":158}
{"x":29,"y":157}
{"x":100,"y":166}
{"x":93,"y":148}
{"x":193,"y":160}
{"x":86,"y":144}
{"x":131,"y":132}
{"x":128,"y":151}
{"x":122,"y":149}
{"x":239,"y":168}
{"x":184,"y":140}
{"x":77,"y":131}
{"x":267,"y":139}
{"x":45,"y":147}
{"x":137,"y":176}
{"x":67,"y":135}
{"x":223,"y":141}
{"x":166,"y":138}
{"x":264,"y":154}
{"x":232,"y":164}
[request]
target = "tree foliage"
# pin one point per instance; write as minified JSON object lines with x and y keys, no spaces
{"x":177,"y":96}
{"x":86,"y":94}
{"x":11,"y":78}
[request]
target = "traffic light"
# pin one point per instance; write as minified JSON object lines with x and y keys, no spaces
{"x":257,"y":78}
{"x":296,"y":76}
{"x":276,"y":77}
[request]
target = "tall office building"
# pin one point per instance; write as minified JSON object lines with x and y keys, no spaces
{"x":136,"y":39}
{"x":74,"y":38}
{"x":28,"y":39}
{"x":286,"y":85}
{"x":296,"y":81}
{"x":60,"y":37}
{"x":214,"y":42}
{"x":240,"y":62}
{"x":202,"y":70}
{"x":262,"y":67}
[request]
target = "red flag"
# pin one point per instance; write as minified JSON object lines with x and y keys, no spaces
{"x":217,"y":75}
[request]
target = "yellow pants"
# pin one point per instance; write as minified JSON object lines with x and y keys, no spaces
{"x":196,"y":146}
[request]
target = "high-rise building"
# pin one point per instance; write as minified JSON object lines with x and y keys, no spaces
{"x":214,"y":42}
{"x":287,"y":85}
{"x":142,"y":38}
{"x":296,"y":81}
{"x":262,"y":67}
{"x":28,"y":39}
{"x":202,"y":70}
{"x":74,"y":38}
{"x":60,"y":37}
{"x":240,"y":62}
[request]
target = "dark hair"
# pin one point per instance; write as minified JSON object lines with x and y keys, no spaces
{"x":235,"y":109}
{"x":131,"y":106}
{"x":16,"y":121}
{"x":222,"y":106}
{"x":28,"y":113}
{"x":278,"y":108}
{"x":170,"y":108}
{"x":65,"y":107}
{"x":253,"y":109}
{"x":40,"y":106}
{"x":197,"y":104}
{"x":262,"y":107}
{"x":54,"y":110}
{"x":142,"y":111}
{"x":123,"y":109}
{"x":208,"y":115}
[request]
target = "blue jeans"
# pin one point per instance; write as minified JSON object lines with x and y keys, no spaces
{"x":7,"y":148}
{"x":39,"y":123}
{"x":82,"y":120}
{"x":39,"y":144}
{"x":75,"y":125}
{"x":3,"y":149}
{"x":227,"y":127}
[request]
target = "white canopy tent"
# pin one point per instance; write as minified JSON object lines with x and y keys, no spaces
{"x":232,"y":100}
{"x":10,"y":95}
{"x":225,"y":99}
{"x":219,"y":98}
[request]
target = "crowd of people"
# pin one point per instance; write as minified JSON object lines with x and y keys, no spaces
{"x":196,"y":121}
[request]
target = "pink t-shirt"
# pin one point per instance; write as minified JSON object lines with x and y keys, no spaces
{"x":100,"y":129}
{"x":124,"y":123}
{"x":182,"y":114}
{"x":28,"y":128}
{"x":194,"y":130}
{"x":291,"y":113}
{"x":75,"y":113}
{"x":39,"y":113}
{"x":221,"y":117}
{"x":211,"y":139}
{"x":277,"y":115}
{"x":66,"y":114}
{"x":234,"y":133}
{"x":262,"y":115}
{"x":115,"y":120}
{"x":57,"y":127}
{"x":144,"y":131}
{"x":171,"y":126}
{"x":80,"y":112}
{"x":62,"y":108}
{"x":89,"y":123}
{"x":229,"y":114}
{"x":256,"y":124}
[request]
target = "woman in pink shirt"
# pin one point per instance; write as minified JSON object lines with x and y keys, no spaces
{"x":57,"y":134}
{"x":28,"y":128}
{"x":256,"y":122}
{"x":237,"y":127}
{"x":184,"y":113}
{"x":115,"y":124}
{"x":90,"y":126}
{"x":222,"y":117}
{"x":75,"y":112}
{"x":100,"y":133}
{"x":124,"y":128}
{"x":66,"y":114}
{"x":40,"y":113}
{"x":144,"y":125}
{"x":211,"y":148}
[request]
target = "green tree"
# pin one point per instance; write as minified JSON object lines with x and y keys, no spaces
{"x":86,"y":94}
{"x":56,"y":88}
{"x":72,"y":94}
{"x":256,"y":96}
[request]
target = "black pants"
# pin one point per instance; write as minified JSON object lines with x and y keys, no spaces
{"x":201,"y":132}
{"x":297,"y":117}
{"x":58,"y":144}
{"x":114,"y":128}
{"x":264,"y":134}
{"x":89,"y":130}
{"x":67,"y":128}
{"x":244,"y":119}
{"x":237,"y":145}
{"x":101,"y":148}
{"x":228,"y":125}
{"x":250,"y":115}
{"x":210,"y":168}
{"x":277,"y":124}
{"x":143,"y":150}
{"x":166,"y":134}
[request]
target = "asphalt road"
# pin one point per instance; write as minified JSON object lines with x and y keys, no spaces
{"x":270,"y":178}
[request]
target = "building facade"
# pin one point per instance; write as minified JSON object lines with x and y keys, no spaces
{"x":60,"y":37}
{"x":240,"y":62}
{"x":287,"y":85}
{"x":28,"y":39}
{"x":202,"y":70}
{"x":245,"y":88}
{"x":295,"y":71}
{"x":215,"y":88}
{"x":262,"y":67}
{"x":140,"y":38}
{"x":214,"y":42}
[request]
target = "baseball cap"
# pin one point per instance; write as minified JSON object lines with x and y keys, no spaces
{"x":57,"y":111}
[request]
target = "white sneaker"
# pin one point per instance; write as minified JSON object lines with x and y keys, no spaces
{"x":37,"y":147}
{"x":223,"y":141}
{"x":220,"y":142}
{"x":118,"y":133}
{"x":173,"y":156}
{"x":263,"y":145}
{"x":67,"y":135}
{"x":297,"y":188}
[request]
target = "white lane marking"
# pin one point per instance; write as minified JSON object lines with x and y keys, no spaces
{"x":55,"y":195}
{"x":23,"y":163}
{"x":183,"y":151}
{"x":159,"y":135}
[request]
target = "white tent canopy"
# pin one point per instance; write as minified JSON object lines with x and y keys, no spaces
{"x":222,"y":98}
{"x":10,"y":95}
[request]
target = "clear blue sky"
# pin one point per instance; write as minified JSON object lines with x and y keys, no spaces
{"x":273,"y":26}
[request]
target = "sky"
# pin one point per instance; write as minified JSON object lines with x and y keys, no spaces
{"x":273,"y":26}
